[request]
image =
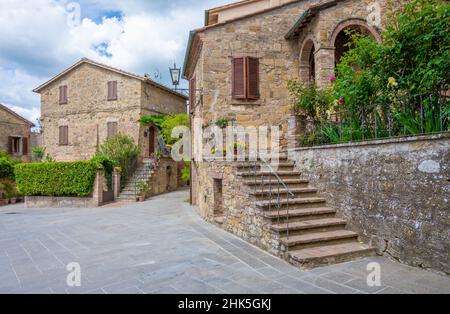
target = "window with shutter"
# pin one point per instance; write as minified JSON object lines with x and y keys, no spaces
{"x":63,"y":95}
{"x":63,"y":135}
{"x":25,"y":146}
{"x":112,"y":90}
{"x":112,"y":128}
{"x":252,"y":78}
{"x":10,"y":145}
{"x":238,"y":80}
{"x":192,"y":92}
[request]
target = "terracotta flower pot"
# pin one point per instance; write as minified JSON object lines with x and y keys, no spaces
{"x":13,"y":201}
{"x":3,"y":202}
{"x":141,"y":198}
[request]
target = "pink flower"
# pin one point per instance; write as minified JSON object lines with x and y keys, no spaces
{"x":332,"y":79}
{"x":341,"y":101}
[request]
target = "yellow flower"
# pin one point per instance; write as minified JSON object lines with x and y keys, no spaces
{"x":392,"y":82}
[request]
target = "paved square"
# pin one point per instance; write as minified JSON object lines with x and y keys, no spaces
{"x":162,"y":246}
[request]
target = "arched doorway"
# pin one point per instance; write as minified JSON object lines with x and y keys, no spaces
{"x":341,"y":39}
{"x":308,"y":62}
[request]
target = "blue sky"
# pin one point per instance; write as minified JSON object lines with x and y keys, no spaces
{"x":40,"y":38}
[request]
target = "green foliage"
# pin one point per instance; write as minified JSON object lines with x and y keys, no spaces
{"x":56,"y":178}
{"x":6,"y":167}
{"x":170,"y":123}
{"x":222,"y":123}
{"x":186,"y":172}
{"x":156,"y":120}
{"x":310,"y":101}
{"x":142,"y":188}
{"x":391,"y":88}
{"x":8,"y":189}
{"x":103,"y":163}
{"x":166,"y":123}
{"x":118,"y":151}
{"x":38,"y":153}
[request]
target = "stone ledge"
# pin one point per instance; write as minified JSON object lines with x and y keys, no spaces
{"x":58,"y":202}
{"x":399,"y":140}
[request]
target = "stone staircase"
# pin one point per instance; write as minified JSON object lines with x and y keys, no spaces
{"x":309,"y":232}
{"x":142,"y":173}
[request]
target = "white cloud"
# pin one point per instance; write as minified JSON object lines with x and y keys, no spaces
{"x":37,"y":41}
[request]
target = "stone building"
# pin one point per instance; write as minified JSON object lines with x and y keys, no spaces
{"x":15,"y":134}
{"x":89,"y":102}
{"x":238,"y":66}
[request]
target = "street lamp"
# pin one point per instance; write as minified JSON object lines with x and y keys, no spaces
{"x":175,"y":74}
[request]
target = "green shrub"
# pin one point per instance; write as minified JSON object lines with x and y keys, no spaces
{"x":38,"y":153}
{"x":186,"y":172}
{"x":166,"y":123}
{"x":56,"y":178}
{"x":6,"y":168}
{"x":310,"y":101}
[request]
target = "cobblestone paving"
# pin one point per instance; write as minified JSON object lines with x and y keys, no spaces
{"x":162,"y":246}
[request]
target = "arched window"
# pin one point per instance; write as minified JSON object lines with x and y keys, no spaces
{"x":308,"y":62}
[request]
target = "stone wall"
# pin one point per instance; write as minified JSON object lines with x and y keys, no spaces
{"x":238,"y":215}
{"x":394,"y":193}
{"x":166,"y":177}
{"x":88,"y":111}
{"x":13,"y":126}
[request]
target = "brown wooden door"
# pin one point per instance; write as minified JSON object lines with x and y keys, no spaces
{"x":151,"y":143}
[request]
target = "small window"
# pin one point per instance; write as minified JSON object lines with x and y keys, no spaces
{"x":245,"y":80}
{"x":111,"y":129}
{"x":16,"y":146}
{"x":112,"y":90}
{"x":63,"y":99}
{"x":63,"y":135}
{"x":213,"y":19}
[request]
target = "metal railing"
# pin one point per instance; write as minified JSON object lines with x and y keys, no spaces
{"x":415,"y":115}
{"x":274,"y":189}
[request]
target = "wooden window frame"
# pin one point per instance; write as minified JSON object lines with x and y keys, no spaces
{"x":246,"y":75}
{"x":112,"y":90}
{"x":63,"y":95}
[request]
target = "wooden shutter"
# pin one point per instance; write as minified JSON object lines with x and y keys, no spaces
{"x":63,"y":95}
{"x":112,"y":129}
{"x":10,"y":145}
{"x":252,"y":78}
{"x":192,"y":92}
{"x":24,"y":146}
{"x":112,"y":90}
{"x":63,"y":135}
{"x":238,"y":80}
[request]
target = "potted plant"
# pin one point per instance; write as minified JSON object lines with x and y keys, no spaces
{"x":142,"y":189}
{"x":3,"y":201}
{"x":10,"y":195}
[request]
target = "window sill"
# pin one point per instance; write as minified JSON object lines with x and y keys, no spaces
{"x":237,"y":102}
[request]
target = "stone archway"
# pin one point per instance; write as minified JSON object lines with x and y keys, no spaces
{"x":340,"y":37}
{"x":308,"y":61}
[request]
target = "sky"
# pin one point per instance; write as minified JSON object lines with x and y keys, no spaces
{"x":41,"y":38}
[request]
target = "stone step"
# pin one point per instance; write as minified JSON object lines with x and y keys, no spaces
{"x":319,"y":237}
{"x":329,"y":254}
{"x":309,"y":224}
{"x":274,"y":192}
{"x":291,"y":202}
{"x":288,"y":182}
{"x":293,"y":213}
{"x":270,"y":174}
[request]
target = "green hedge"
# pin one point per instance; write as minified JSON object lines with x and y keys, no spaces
{"x":56,"y":178}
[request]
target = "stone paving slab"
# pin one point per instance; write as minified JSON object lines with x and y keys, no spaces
{"x":162,"y":246}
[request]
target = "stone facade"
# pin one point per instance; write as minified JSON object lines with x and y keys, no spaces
{"x":14,"y":126}
{"x":88,"y":110}
{"x":263,"y":35}
{"x":394,"y":193}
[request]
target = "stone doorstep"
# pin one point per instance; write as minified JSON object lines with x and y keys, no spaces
{"x":309,"y":224}
{"x":331,"y":251}
{"x":318,"y":237}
